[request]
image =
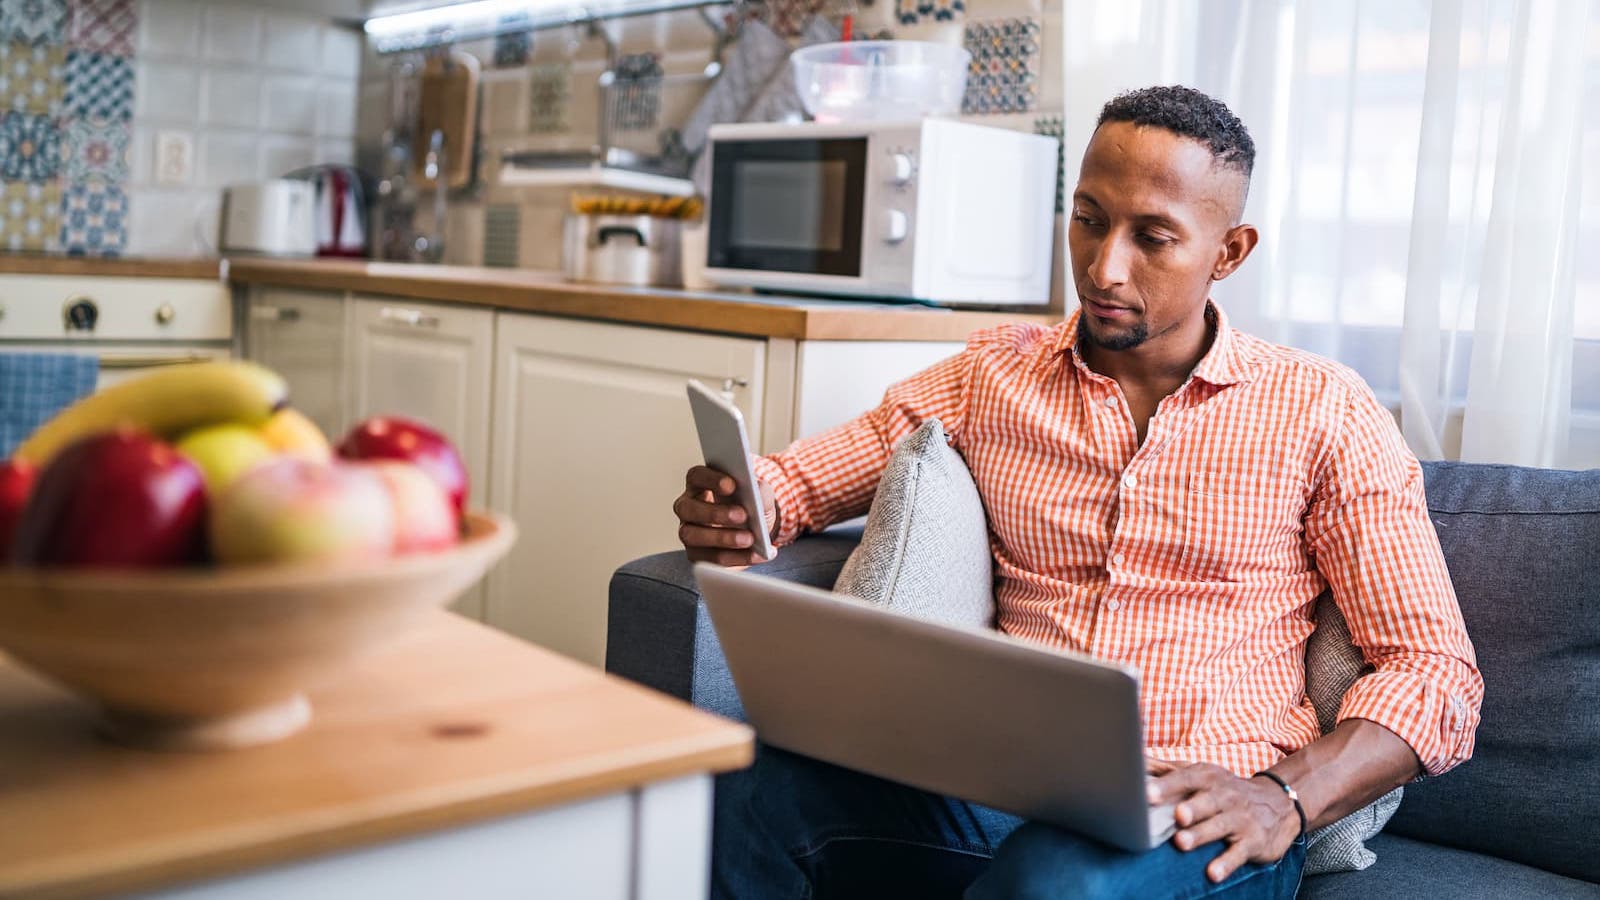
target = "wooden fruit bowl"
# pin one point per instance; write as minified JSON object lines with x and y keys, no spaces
{"x":211,"y":659}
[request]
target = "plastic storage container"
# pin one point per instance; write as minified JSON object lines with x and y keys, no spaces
{"x":857,"y":81}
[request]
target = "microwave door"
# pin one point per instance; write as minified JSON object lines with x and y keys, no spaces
{"x":788,"y":205}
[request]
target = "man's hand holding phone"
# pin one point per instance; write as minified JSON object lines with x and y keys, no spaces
{"x":713,"y":526}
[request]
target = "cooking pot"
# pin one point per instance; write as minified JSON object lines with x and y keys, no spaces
{"x":622,"y":249}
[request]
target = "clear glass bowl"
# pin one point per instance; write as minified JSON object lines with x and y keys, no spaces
{"x":856,"y":81}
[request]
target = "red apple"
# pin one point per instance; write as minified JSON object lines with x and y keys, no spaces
{"x":423,"y":517}
{"x":16,"y":482}
{"x":393,"y":437}
{"x":114,"y":499}
{"x":290,"y":509}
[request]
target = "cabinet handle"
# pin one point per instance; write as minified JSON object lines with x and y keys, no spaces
{"x":728,"y":384}
{"x":275,"y":313}
{"x":413,"y":317}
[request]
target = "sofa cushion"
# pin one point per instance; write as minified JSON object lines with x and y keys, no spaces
{"x":925,"y":549}
{"x":1333,"y":663}
{"x":1408,"y":869}
{"x":1521,"y":545}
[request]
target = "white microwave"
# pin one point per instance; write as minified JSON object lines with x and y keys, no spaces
{"x":936,"y":210}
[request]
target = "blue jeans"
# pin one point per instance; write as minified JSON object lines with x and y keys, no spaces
{"x":793,"y":827}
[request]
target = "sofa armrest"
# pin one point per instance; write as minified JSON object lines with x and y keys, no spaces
{"x":659,"y":635}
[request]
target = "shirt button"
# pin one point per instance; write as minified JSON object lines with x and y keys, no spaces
{"x":1113,"y":605}
{"x":1110,"y":401}
{"x":1129,"y":481}
{"x":1116,"y":559}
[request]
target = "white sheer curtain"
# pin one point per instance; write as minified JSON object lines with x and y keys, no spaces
{"x":1427,"y":177}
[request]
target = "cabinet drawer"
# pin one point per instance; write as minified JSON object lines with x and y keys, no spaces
{"x":33,"y":307}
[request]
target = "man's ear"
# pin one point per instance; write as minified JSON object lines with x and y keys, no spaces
{"x":1236,"y":247}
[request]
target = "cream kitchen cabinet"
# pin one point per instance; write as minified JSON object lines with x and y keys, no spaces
{"x":591,"y":438}
{"x":429,"y":362}
{"x":301,"y":336}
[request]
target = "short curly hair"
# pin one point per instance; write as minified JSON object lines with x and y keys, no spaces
{"x":1190,"y":113}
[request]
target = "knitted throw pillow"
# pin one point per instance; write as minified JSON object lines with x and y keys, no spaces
{"x":925,"y":549}
{"x":1333,"y":663}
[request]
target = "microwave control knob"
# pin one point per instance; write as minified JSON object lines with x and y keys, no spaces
{"x":81,"y":314}
{"x":895,"y":226}
{"x":902,"y":168}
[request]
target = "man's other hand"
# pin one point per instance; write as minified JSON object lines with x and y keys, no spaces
{"x":1253,"y":815}
{"x":712,"y":525}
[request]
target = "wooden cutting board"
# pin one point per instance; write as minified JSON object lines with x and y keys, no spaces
{"x":447,"y":102}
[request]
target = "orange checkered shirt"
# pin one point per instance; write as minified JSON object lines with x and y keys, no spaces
{"x":1270,"y":475}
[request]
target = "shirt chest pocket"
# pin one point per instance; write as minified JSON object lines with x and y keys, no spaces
{"x":1241,"y":526}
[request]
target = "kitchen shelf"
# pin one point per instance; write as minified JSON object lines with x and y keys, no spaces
{"x":596,"y":175}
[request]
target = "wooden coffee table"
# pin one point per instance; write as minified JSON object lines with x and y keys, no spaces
{"x":457,"y":762}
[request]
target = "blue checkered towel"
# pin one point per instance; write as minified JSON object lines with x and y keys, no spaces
{"x":36,"y":386}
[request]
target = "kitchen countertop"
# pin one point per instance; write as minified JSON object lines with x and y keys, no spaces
{"x":454,"y":724}
{"x":140,"y":267}
{"x":543,"y":292}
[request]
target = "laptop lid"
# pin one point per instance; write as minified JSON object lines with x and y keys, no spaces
{"x":1050,"y":736}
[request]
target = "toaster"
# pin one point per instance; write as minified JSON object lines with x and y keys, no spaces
{"x":276,"y":217}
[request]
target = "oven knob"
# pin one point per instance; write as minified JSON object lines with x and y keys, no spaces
{"x":901,"y":168}
{"x":165,"y":314}
{"x":895,"y":226}
{"x":81,"y":314}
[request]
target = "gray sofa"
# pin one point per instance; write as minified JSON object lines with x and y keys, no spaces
{"x":1520,"y":819}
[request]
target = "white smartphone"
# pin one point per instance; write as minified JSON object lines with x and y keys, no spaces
{"x":726,"y":447}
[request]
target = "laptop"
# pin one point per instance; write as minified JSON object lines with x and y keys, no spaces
{"x":1050,"y":736}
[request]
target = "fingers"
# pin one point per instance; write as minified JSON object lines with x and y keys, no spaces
{"x":1154,"y":766}
{"x":695,"y":510}
{"x":1197,"y":808}
{"x":1184,"y":780}
{"x":705,"y":478}
{"x":1212,"y":828}
{"x":715,"y":538}
{"x":1229,"y":862}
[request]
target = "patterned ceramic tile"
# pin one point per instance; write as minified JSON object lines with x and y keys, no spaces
{"x":30,"y":215}
{"x":913,"y":12}
{"x":103,"y":26}
{"x":1052,"y":127}
{"x":33,"y":21}
{"x":549,"y":90}
{"x":99,"y":86}
{"x":636,"y":93}
{"x":30,"y":147}
{"x":96,"y":148}
{"x":94,"y":218}
{"x":1004,"y":74}
{"x":512,"y":48}
{"x":32,"y":78}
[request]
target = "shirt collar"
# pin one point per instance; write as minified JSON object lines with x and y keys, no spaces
{"x":1225,"y":363}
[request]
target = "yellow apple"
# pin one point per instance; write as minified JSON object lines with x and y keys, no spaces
{"x":289,"y":432}
{"x":291,"y":509}
{"x":224,"y":452}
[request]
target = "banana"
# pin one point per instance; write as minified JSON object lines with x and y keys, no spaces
{"x":165,"y":402}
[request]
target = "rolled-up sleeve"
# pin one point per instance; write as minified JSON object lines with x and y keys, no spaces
{"x":1369,"y":529}
{"x":833,"y":476}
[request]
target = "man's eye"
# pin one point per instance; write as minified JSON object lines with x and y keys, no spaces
{"x":1155,"y":240}
{"x":1082,"y":219}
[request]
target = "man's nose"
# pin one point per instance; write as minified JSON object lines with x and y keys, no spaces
{"x":1109,"y":267}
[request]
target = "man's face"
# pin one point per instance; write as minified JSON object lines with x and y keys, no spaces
{"x":1149,"y":221}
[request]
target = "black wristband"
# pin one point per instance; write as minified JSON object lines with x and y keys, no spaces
{"x":1293,"y":797}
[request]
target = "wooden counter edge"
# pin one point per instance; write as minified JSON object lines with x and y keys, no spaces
{"x":110,"y":267}
{"x":238,"y":851}
{"x":510,"y":290}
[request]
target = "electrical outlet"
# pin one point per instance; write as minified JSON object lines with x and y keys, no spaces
{"x":174,"y":157}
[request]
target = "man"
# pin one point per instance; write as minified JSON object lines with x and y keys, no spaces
{"x":1161,"y":490}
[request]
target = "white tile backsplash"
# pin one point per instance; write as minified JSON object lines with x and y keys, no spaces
{"x":169,"y":28}
{"x":291,"y":105}
{"x":336,"y":109}
{"x":227,"y":159}
{"x":233,"y":99}
{"x":260,"y":91}
{"x":293,"y":43}
{"x":166,"y":93}
{"x":232,"y":33}
{"x":341,"y":52}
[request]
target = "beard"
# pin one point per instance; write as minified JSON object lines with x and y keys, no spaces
{"x":1126,"y":340}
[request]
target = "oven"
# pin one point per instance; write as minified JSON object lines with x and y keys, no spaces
{"x":131,"y":325}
